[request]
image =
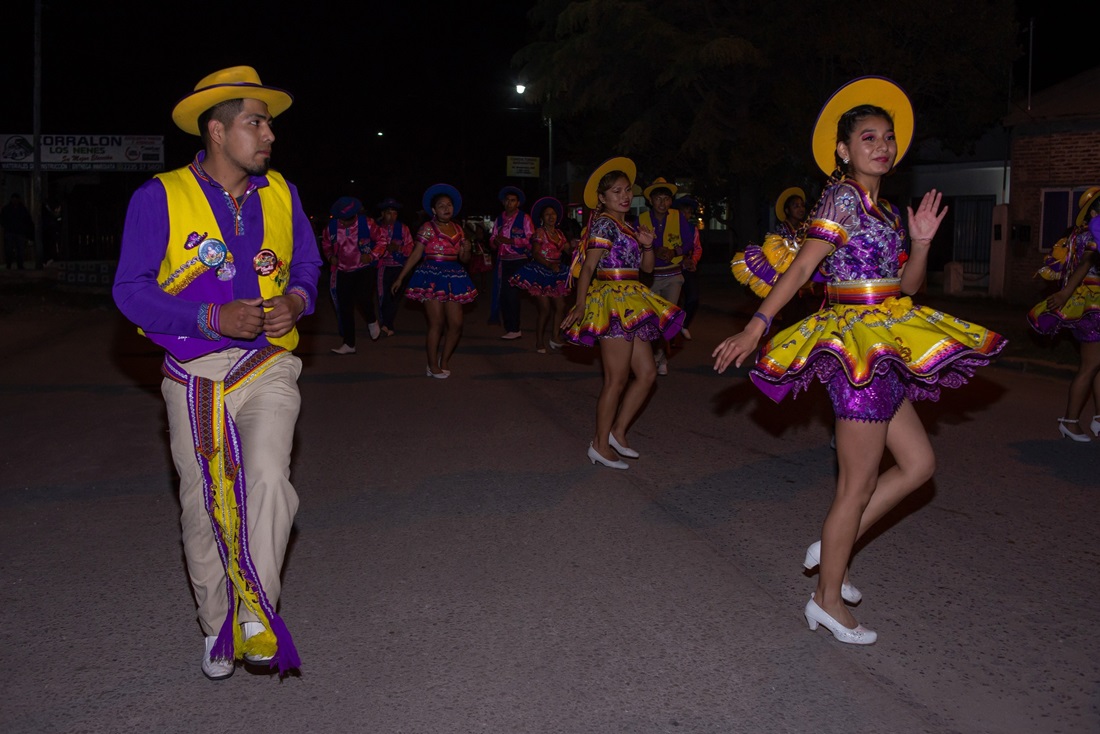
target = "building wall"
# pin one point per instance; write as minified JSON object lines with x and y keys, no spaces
{"x":1042,"y":160}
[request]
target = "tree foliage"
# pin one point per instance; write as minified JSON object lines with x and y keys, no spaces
{"x":720,"y":90}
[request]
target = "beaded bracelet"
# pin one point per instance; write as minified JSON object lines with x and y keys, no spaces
{"x":766,"y":320}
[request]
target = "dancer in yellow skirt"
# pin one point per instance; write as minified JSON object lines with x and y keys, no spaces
{"x":873,"y":348}
{"x":616,"y":310}
{"x":1076,"y":308}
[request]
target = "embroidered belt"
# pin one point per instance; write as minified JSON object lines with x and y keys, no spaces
{"x":221,"y":461}
{"x":441,"y":258}
{"x":1091,"y":280}
{"x":617,"y":274}
{"x":863,"y":292}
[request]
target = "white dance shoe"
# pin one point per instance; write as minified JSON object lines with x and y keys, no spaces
{"x":848,"y":593}
{"x":621,"y":450}
{"x":815,"y":616}
{"x":597,"y":458}
{"x":1079,"y":437}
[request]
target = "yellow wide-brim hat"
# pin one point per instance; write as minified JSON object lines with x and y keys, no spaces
{"x":781,"y":202}
{"x":873,"y":90}
{"x":1085,"y":203}
{"x":236,"y":82}
{"x":591,"y":198}
{"x":659,"y":183}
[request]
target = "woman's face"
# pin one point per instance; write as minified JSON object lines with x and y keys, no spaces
{"x":549,"y":217}
{"x":618,"y":196}
{"x":443,"y":208}
{"x":872,"y":148}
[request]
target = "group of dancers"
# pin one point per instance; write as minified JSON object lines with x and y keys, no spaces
{"x":875,"y":351}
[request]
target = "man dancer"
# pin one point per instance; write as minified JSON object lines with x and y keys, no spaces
{"x":218,"y":263}
{"x":688,"y":207}
{"x":510,"y":238}
{"x":668,"y":248}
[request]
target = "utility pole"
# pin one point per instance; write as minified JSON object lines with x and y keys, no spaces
{"x":36,"y":176}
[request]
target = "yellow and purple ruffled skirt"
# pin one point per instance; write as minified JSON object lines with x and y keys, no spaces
{"x":870,"y":331}
{"x":619,"y":306}
{"x":1079,"y":315}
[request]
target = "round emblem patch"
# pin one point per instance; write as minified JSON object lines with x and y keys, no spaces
{"x":265,"y":262}
{"x":212,"y":252}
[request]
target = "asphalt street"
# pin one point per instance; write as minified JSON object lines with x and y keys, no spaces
{"x":457,"y":565}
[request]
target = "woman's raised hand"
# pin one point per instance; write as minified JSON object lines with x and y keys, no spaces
{"x":926,"y":220}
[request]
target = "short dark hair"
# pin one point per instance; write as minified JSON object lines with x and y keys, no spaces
{"x":223,"y":112}
{"x":659,"y":191}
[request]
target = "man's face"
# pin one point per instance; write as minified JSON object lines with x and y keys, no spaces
{"x":389,"y":216}
{"x":248,"y":138}
{"x":661,"y":202}
{"x":511,"y":203}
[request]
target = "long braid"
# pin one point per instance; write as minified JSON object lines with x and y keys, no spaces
{"x":834,"y":178}
{"x":582,"y":247}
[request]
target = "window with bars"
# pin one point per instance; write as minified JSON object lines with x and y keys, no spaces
{"x":1059,"y":214}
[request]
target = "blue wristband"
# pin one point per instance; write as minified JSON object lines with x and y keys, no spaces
{"x":766,"y":320}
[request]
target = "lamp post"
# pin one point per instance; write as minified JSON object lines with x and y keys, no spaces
{"x":520,"y":89}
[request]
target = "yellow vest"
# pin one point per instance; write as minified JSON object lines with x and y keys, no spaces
{"x":183,"y":274}
{"x":671,"y":235}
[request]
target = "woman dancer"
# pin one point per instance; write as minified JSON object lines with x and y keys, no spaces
{"x":440,"y":281}
{"x":544,"y":277}
{"x":1076,"y":308}
{"x":873,"y":348}
{"x":616,"y":310}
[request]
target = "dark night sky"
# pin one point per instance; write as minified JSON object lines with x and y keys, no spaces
{"x":437,"y":82}
{"x":436,"y":79}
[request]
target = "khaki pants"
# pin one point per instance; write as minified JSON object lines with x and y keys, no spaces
{"x":265,"y":412}
{"x":668,"y":287}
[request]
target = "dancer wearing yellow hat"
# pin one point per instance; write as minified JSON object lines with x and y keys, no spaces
{"x":875,"y":351}
{"x":1076,"y":308}
{"x":615,"y":310}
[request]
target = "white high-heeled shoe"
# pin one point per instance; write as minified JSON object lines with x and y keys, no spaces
{"x":597,"y":458}
{"x":860,"y":635}
{"x":1066,"y":433}
{"x":848,"y":593}
{"x":1095,"y":425}
{"x":621,"y":450}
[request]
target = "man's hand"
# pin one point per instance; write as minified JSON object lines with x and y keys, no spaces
{"x":241,"y":319}
{"x":281,"y":313}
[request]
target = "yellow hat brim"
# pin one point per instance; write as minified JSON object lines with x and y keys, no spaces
{"x":591,"y":198}
{"x":782,"y":201}
{"x":187,"y":111}
{"x":873,"y":90}
{"x":659,"y":184}
{"x":1088,"y":198}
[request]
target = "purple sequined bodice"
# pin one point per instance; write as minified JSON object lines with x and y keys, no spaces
{"x":622,"y":248}
{"x":868,"y":238}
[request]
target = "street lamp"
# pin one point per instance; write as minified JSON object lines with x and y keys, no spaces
{"x":520,"y":89}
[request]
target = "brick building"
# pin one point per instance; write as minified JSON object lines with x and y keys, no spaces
{"x":1055,"y":153}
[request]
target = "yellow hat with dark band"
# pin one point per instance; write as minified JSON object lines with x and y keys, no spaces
{"x":871,"y":90}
